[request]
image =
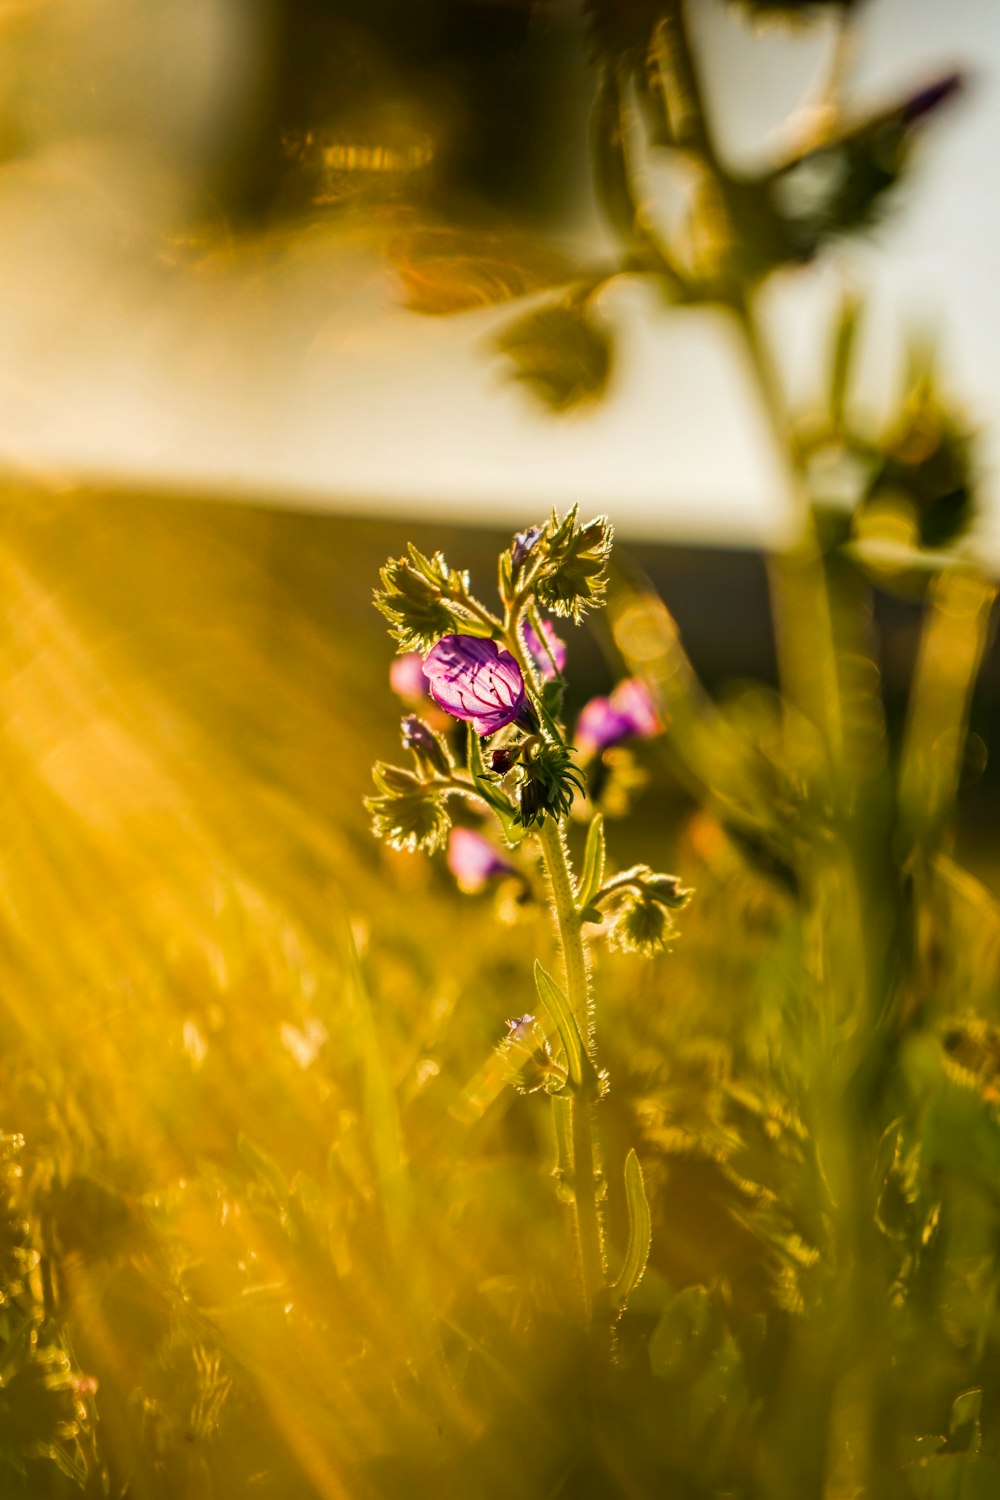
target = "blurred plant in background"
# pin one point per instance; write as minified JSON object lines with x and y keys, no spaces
{"x":277,"y":1225}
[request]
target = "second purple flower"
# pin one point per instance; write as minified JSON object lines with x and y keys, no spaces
{"x":473,"y":678}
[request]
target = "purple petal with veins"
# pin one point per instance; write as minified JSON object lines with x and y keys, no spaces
{"x":474,"y":679}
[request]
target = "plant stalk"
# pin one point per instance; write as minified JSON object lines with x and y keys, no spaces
{"x":589,"y":1230}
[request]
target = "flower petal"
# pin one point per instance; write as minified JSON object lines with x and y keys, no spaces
{"x":474,"y":679}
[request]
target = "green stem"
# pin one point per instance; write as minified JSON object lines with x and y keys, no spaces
{"x":515,"y":645}
{"x":802,"y":608}
{"x":589,"y":1230}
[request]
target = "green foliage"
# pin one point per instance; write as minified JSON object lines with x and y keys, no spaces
{"x":641,"y":926}
{"x":549,"y":782}
{"x":640,"y":1234}
{"x":592,"y":872}
{"x":409,"y":814}
{"x":572,"y":575}
{"x":279,"y":1227}
{"x":418,"y":597}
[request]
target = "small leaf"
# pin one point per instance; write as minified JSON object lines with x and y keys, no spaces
{"x":844,"y":346}
{"x":593,"y":864}
{"x":559,"y":1009}
{"x":640,"y":1232}
{"x":964,"y":1427}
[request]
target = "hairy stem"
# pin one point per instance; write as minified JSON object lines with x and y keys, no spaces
{"x":589,"y":1230}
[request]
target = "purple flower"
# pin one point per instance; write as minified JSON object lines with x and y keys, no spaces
{"x":473,"y":678}
{"x":549,"y":655}
{"x":629,"y":713}
{"x":524,"y":543}
{"x":406,"y":677}
{"x":473,"y":860}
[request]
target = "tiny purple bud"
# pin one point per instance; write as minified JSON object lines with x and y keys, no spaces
{"x":473,"y":860}
{"x":524,"y":543}
{"x":548,"y":655}
{"x":629,"y":713}
{"x":406,"y":677}
{"x":473,"y":678}
{"x":927,"y":99}
{"x":425,"y":745}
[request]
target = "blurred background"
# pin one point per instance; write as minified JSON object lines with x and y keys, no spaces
{"x":215,"y":218}
{"x":270,"y":1222}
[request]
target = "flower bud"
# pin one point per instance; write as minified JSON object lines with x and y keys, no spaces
{"x":413,"y":599}
{"x":427,"y":748}
{"x":641,"y":926}
{"x":573,"y":577}
{"x":408,"y":815}
{"x":668,"y":891}
{"x":549,"y":784}
{"x":504,"y":757}
{"x":524,"y":545}
{"x":525,"y":1047}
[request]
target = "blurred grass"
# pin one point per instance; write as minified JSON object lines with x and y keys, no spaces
{"x":286,"y":1219}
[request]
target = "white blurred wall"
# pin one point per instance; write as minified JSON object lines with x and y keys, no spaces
{"x":286,"y":369}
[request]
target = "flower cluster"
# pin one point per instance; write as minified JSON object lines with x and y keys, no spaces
{"x":502,"y":676}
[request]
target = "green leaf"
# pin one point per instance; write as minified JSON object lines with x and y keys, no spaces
{"x":954,"y":1477}
{"x":559,"y":1009}
{"x":382,"y":1121}
{"x":964,"y":1430}
{"x":640,"y":1233}
{"x":612,"y":182}
{"x":593,"y":863}
{"x":844,"y":345}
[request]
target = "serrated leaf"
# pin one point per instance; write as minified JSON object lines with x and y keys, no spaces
{"x":640,"y":1232}
{"x":593,"y":863}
